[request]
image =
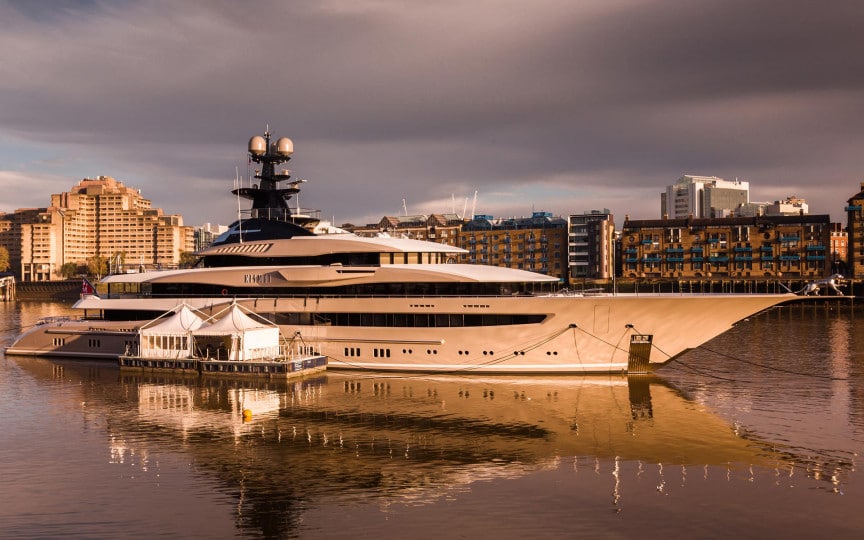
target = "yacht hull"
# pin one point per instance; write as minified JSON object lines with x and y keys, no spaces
{"x":578,"y":334}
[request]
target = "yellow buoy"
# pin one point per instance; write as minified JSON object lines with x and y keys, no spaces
{"x":247,"y":414}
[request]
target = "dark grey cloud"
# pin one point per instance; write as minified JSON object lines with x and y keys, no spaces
{"x":554,"y":105}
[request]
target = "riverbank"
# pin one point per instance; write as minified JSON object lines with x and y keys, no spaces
{"x":58,"y":291}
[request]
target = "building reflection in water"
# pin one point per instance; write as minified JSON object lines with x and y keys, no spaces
{"x":341,"y":438}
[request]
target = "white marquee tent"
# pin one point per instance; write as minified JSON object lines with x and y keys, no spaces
{"x":237,"y":336}
{"x":171,"y":336}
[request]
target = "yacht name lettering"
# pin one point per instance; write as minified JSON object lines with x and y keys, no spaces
{"x":257,"y":278}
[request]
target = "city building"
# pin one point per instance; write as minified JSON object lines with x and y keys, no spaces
{"x":11,"y":231}
{"x":441,"y":228}
{"x":98,"y":218}
{"x":736,"y":247}
{"x":537,"y":244}
{"x":205,"y":234}
{"x":751,"y":209}
{"x":855,"y":231}
{"x":792,"y":206}
{"x":703,"y":197}
{"x":591,"y":245}
{"x":839,"y":249}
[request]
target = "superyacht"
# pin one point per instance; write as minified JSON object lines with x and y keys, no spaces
{"x":386,"y":303}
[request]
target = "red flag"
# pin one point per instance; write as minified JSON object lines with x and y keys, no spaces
{"x":87,"y":288}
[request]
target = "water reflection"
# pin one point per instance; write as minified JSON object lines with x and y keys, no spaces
{"x":794,"y":376}
{"x":774,"y":403}
{"x":342,"y":438}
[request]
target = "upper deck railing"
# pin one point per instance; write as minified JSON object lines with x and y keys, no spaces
{"x":293,"y":215}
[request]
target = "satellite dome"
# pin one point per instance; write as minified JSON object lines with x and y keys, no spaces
{"x":257,"y":146}
{"x":284,"y":146}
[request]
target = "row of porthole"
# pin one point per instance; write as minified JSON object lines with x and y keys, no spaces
{"x":356,"y":352}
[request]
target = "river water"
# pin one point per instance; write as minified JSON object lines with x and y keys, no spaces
{"x":755,"y":435}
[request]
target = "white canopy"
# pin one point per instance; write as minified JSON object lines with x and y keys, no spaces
{"x":237,"y":336}
{"x":183,"y":321}
{"x":169,"y":337}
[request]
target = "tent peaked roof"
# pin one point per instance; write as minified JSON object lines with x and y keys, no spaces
{"x":183,"y":320}
{"x":235,"y":321}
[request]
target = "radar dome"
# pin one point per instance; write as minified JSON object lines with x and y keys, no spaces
{"x":257,"y":146}
{"x":284,"y":146}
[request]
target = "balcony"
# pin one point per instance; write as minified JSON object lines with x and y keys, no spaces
{"x":718,"y":259}
{"x":815,"y":248}
{"x":790,"y":257}
{"x":695,"y":249}
{"x":674,"y":250}
{"x":743,"y":249}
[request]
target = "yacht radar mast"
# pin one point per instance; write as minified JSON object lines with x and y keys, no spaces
{"x":269,"y":201}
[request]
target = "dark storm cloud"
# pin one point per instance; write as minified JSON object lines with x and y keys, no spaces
{"x":561,"y":106}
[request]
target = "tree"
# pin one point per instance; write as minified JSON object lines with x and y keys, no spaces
{"x":187,"y":259}
{"x":96,"y":266}
{"x":4,"y":259}
{"x":68,"y":270}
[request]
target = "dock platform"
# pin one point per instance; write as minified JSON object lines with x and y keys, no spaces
{"x":285,"y":369}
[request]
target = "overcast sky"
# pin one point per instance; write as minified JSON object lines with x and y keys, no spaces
{"x":560,"y":106}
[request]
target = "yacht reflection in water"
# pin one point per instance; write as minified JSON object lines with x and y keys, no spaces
{"x":284,"y":446}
